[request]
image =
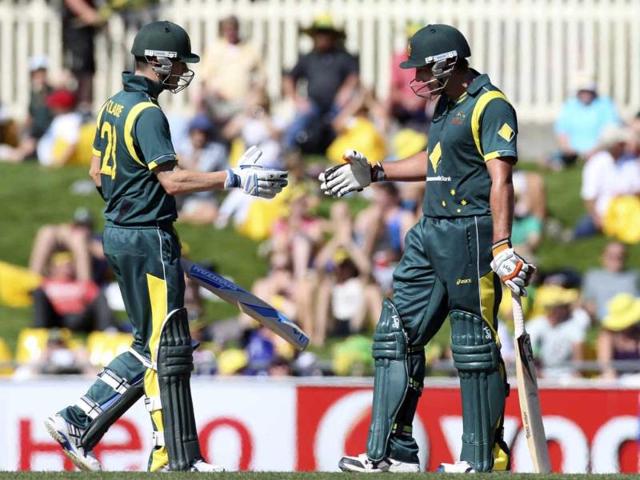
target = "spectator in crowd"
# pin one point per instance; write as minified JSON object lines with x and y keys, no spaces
{"x":558,"y":336}
{"x":601,"y":285}
{"x":231,"y":68}
{"x":81,"y":20}
{"x":58,"y":145}
{"x":205,"y":154}
{"x":345,"y":295}
{"x":76,"y":237}
{"x":359,"y":126}
{"x":529,"y":212}
{"x":619,"y":339}
{"x":9,"y":141}
{"x":15,"y":147}
{"x":332,"y":75}
{"x":581,"y":122}
{"x":608,"y":174}
{"x":63,"y":300}
{"x":299,"y":234}
{"x":404,"y":106}
{"x":255,"y":125}
{"x":380,"y":230}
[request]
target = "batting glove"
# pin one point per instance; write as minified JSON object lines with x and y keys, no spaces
{"x":254,"y":179}
{"x":353,"y":175}
{"x":512,"y":269}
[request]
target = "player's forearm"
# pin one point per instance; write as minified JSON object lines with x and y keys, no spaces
{"x":410,"y":169}
{"x":501,"y":202}
{"x":176,"y":182}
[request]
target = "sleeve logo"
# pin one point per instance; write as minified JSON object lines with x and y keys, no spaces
{"x":506,"y":132}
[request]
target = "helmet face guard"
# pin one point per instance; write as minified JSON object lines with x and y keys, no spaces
{"x":442,"y":67}
{"x":170,"y":81}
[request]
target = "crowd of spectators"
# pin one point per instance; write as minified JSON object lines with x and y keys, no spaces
{"x":329,"y":264}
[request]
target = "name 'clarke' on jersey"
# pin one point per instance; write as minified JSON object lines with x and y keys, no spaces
{"x":132,"y":138}
{"x":479,"y":126}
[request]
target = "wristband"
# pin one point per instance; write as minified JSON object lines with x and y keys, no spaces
{"x":500,"y":246}
{"x":233,"y":180}
{"x":377,"y":173}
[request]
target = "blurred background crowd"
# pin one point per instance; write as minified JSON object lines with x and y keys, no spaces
{"x":330,"y":263}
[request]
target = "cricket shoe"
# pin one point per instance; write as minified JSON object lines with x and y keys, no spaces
{"x":363,"y":464}
{"x":202,"y":466}
{"x":69,"y":437}
{"x":458,"y":467}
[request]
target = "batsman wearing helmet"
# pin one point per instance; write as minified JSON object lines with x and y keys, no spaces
{"x":454,"y":260}
{"x":135,"y":168}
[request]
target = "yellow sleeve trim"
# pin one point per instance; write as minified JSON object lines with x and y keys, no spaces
{"x":153,"y":165}
{"x":478,"y":108}
{"x":96,"y":153}
{"x":491,"y":156}
{"x":129,"y":123}
{"x":99,"y":117}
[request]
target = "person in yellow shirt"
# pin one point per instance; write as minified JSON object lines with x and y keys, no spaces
{"x":231,"y":68}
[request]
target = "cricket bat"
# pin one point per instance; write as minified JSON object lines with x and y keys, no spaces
{"x":248,"y":303}
{"x":528,"y":393}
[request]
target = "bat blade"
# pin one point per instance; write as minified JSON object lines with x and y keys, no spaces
{"x":248,"y":303}
{"x":530,"y":405}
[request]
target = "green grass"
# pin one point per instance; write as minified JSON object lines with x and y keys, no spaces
{"x":287,"y":476}
{"x":32,"y":196}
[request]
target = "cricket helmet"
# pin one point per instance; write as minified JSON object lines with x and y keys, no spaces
{"x":161,"y":43}
{"x":438,"y":46}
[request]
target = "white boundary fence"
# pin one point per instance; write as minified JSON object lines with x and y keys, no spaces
{"x":531,"y":48}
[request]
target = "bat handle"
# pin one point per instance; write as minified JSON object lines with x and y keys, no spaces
{"x":518,"y":315}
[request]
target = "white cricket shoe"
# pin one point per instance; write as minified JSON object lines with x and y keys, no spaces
{"x":202,"y":466}
{"x":458,"y":467}
{"x":68,"y":436}
{"x":363,"y":464}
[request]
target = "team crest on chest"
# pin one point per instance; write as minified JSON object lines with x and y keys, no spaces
{"x":458,"y":119}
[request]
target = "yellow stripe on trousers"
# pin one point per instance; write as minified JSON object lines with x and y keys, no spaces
{"x":158,"y":296}
{"x":487,"y":303}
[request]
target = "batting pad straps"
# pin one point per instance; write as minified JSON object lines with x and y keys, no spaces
{"x":152,"y":404}
{"x":157,"y":439}
{"x":143,"y":360}
{"x":115,"y":381}
{"x":89,"y":407}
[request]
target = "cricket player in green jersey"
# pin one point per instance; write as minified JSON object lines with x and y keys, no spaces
{"x":454,"y":260}
{"x":135,"y":168}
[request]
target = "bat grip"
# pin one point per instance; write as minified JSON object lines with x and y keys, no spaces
{"x":518,"y":315}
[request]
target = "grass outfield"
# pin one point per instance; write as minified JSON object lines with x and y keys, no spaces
{"x":289,"y":476}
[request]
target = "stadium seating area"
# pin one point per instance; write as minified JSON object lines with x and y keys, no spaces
{"x":326,"y":264}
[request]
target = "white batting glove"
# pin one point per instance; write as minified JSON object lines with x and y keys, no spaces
{"x":254,"y":179}
{"x":354,"y":175}
{"x":513,"y":270}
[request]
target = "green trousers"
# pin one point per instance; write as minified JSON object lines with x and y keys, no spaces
{"x":146,"y":262}
{"x":445,"y":266}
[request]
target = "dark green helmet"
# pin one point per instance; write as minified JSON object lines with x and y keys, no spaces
{"x":164,"y":39}
{"x":435,"y":43}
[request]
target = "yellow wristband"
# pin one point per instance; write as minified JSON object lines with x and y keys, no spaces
{"x":500,"y":246}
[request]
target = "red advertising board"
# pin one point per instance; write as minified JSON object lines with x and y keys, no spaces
{"x":270,"y":425}
{"x":588,"y":429}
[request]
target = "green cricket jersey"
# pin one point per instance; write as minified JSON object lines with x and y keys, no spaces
{"x":479,"y":126}
{"x":132,"y":138}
